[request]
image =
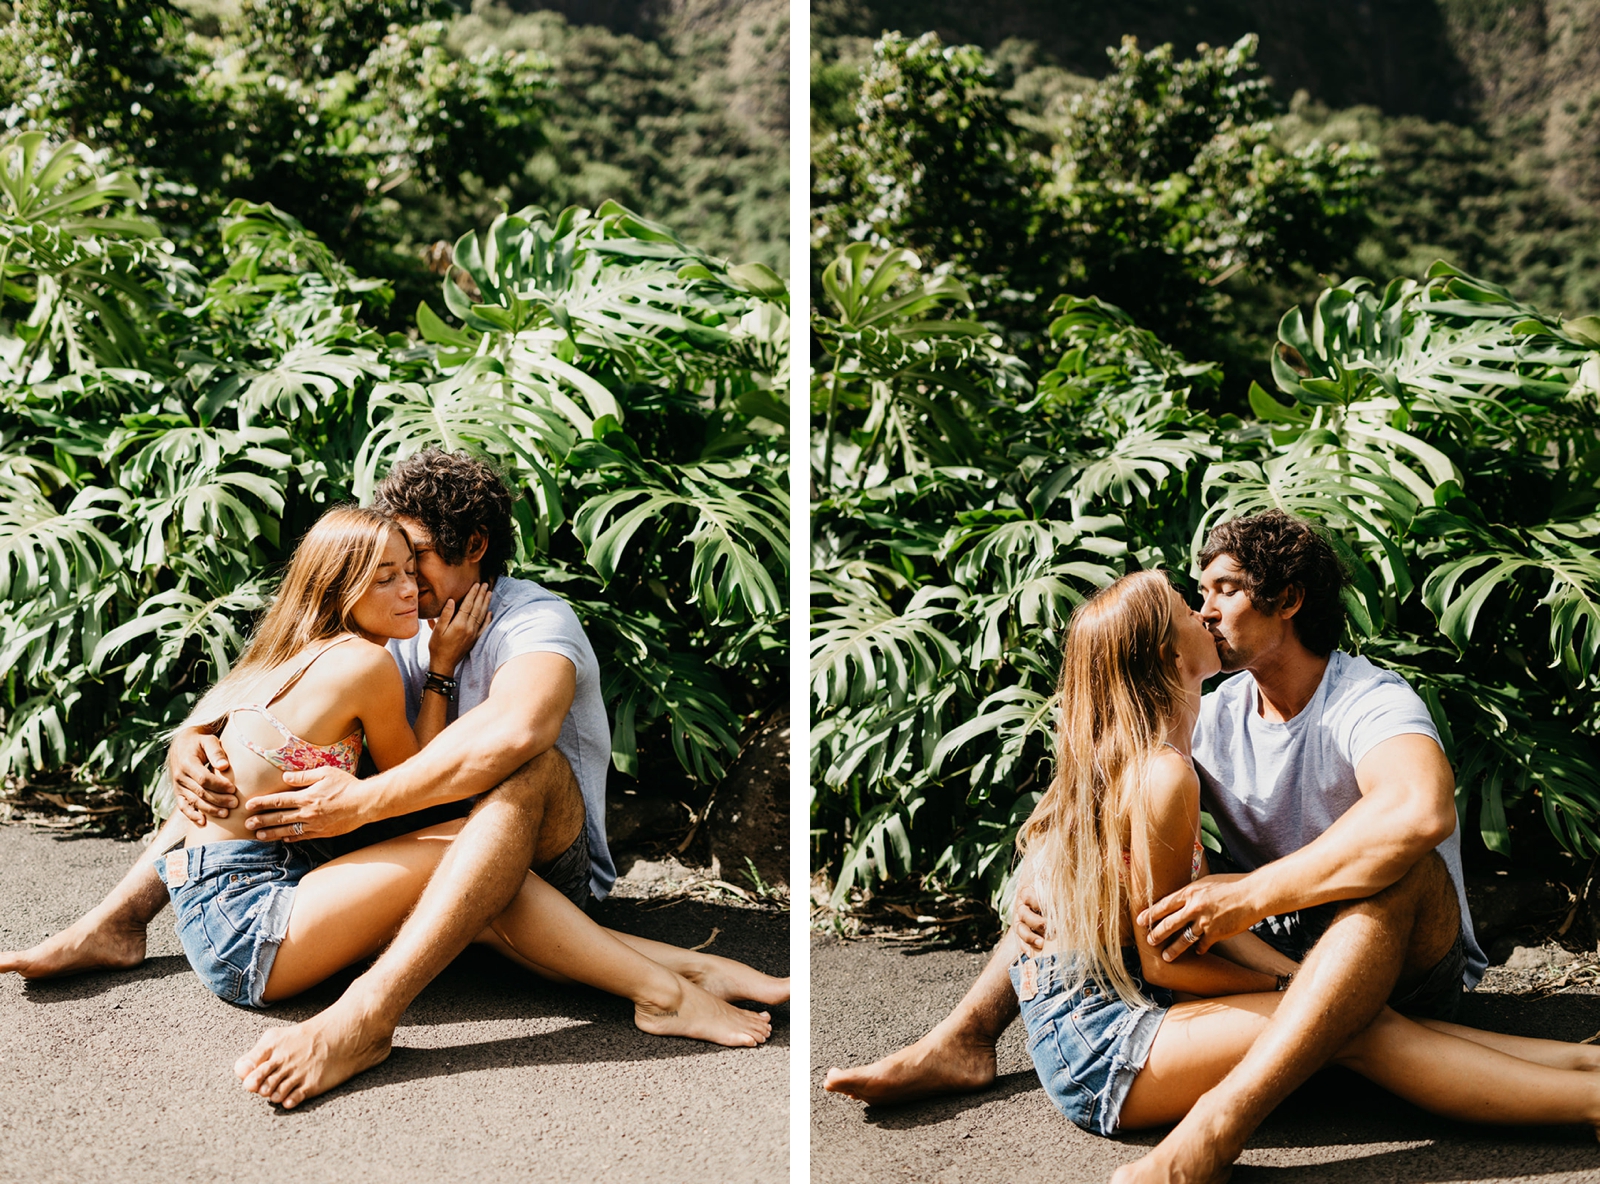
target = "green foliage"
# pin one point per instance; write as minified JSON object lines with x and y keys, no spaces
{"x":1447,"y":435}
{"x":1149,"y":188}
{"x":628,"y":385}
{"x":690,"y":127}
{"x":389,"y":126}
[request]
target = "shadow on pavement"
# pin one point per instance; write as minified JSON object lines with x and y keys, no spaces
{"x":1420,"y":1165}
{"x":582,"y":1044}
{"x":44,"y":991}
{"x":911,"y":1115}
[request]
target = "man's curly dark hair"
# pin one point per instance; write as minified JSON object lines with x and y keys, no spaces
{"x":452,"y":494}
{"x":1276,"y":552}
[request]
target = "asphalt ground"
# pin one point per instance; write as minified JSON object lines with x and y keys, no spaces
{"x":496,"y":1075}
{"x":868,"y":999}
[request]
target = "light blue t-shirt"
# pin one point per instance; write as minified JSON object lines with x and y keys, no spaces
{"x":528,"y":619}
{"x":1274,"y":787}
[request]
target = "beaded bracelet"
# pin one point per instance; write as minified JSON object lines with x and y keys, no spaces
{"x":441,"y":684}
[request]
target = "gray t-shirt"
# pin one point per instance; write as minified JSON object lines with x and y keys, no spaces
{"x":528,"y":619}
{"x":1274,"y":787}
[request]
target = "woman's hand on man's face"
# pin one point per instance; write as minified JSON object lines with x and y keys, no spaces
{"x":202,"y":781}
{"x":456,"y":628}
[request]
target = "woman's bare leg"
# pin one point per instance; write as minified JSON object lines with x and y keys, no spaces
{"x":351,"y":907}
{"x":547,"y":933}
{"x":728,"y":980}
{"x":1558,"y":1054}
{"x":723,"y":977}
{"x":1447,"y":1074}
{"x":1466,"y":1079}
{"x":1195,"y":1047}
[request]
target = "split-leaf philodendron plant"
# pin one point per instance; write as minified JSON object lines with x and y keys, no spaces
{"x":1447,"y":436}
{"x":166,"y":436}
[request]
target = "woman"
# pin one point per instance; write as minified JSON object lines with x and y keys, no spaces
{"x":260,"y":923}
{"x":1121,"y":1038}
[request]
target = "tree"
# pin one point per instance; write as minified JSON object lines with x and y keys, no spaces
{"x":1151,"y":188}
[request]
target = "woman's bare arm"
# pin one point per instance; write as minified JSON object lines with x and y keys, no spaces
{"x":1168,"y":850}
{"x":1246,"y":949}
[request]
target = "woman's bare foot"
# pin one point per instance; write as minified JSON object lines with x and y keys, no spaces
{"x":733,"y":981}
{"x":700,"y":1015}
{"x":90,"y":943}
{"x":945,"y":1061}
{"x":289,"y":1065}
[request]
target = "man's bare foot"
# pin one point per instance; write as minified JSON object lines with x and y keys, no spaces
{"x":1199,"y":1150}
{"x":700,"y":1015}
{"x":289,"y":1065}
{"x":90,"y":943}
{"x":1144,"y":1171}
{"x":731,"y":981}
{"x":945,"y":1061}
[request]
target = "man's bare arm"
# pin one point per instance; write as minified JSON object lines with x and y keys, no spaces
{"x":528,"y":700}
{"x":1407,"y":808}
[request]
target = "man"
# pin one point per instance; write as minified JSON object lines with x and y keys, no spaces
{"x":1334,"y":800}
{"x":528,"y":760}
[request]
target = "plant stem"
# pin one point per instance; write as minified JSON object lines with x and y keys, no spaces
{"x":827,"y":426}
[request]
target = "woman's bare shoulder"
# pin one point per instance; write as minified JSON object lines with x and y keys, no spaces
{"x":358,"y":658}
{"x":1170,"y":779}
{"x":350,"y":664}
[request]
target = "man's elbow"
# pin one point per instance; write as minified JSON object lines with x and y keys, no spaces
{"x":525,"y":740}
{"x":1431,"y":826}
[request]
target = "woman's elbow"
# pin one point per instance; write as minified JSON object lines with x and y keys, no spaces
{"x":1155,"y":969}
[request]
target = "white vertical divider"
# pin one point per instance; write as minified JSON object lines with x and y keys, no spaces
{"x":799,"y":591}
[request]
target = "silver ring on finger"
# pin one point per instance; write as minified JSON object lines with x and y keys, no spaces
{"x":299,"y":828}
{"x":1189,"y":934}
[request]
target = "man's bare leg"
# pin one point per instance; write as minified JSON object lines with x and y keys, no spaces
{"x":1394,"y":937}
{"x":483,"y":870}
{"x":111,"y":936}
{"x":957,"y":1056}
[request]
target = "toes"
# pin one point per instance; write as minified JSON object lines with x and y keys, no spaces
{"x":258,"y":1065}
{"x":278,"y":1083}
{"x":283,"y":1087}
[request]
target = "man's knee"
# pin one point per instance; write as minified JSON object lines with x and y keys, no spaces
{"x":1420,"y":908}
{"x":1425,"y":889}
{"x":546,"y":791}
{"x":543,"y":780}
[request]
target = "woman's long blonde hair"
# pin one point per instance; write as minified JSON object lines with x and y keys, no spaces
{"x":1119,"y":687}
{"x":330,"y":571}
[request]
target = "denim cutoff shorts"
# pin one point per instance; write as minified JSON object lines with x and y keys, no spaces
{"x":233,"y":910}
{"x":1088,"y":1045}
